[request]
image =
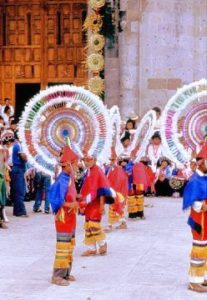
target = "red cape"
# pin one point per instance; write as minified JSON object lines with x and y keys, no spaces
{"x":118,"y":180}
{"x":140,"y":175}
{"x":94,"y":180}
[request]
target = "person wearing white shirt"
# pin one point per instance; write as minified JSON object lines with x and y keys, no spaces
{"x":126,"y":143}
{"x":7,"y":102}
{"x":6,"y":116}
{"x":155,"y":151}
{"x":158,"y":121}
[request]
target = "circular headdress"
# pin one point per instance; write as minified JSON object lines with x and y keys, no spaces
{"x":184,"y":121}
{"x":143,"y":134}
{"x":115,"y":119}
{"x":60,"y":113}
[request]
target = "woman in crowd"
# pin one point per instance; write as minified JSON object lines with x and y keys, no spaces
{"x":6,"y":116}
{"x":163,"y":175}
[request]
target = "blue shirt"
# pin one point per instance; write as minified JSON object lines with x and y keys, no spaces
{"x":16,"y":159}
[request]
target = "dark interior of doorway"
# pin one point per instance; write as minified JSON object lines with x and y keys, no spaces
{"x":24,"y":92}
{"x":54,"y":83}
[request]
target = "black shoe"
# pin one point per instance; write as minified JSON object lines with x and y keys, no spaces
{"x":24,"y":216}
{"x":37,"y":210}
{"x":9,"y":203}
{"x":47,"y":211}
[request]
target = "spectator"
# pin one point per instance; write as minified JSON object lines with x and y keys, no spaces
{"x":29,"y":178}
{"x":155,"y":151}
{"x":7,"y":141}
{"x":130,"y":129}
{"x":18,"y":185}
{"x":1,"y":125}
{"x":42,"y":184}
{"x":6,"y":116}
{"x":158,"y":115}
{"x":163,"y":175}
{"x":7,"y":102}
{"x":13,"y":126}
{"x":126,"y":143}
{"x":2,"y":201}
{"x":3,"y":169}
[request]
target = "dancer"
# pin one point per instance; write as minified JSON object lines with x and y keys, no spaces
{"x":62,"y":197}
{"x":119,"y":182}
{"x":138,"y":184}
{"x":95,"y":192}
{"x":150,"y":175}
{"x":195,"y":198}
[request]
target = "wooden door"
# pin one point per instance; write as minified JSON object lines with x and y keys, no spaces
{"x":41,"y":42}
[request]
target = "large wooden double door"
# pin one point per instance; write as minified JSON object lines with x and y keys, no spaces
{"x":41,"y":42}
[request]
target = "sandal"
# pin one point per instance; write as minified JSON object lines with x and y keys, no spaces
{"x":197,"y":287}
{"x":70,"y":278}
{"x":149,"y":205}
{"x":103,"y":249}
{"x":60,"y":281}
{"x":204,"y":283}
{"x":141,"y":218}
{"x":89,"y":253}
{"x":108,"y":229}
{"x":123,"y":225}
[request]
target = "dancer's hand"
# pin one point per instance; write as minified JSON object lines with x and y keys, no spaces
{"x":74,"y":204}
{"x":204,"y":207}
{"x":102,"y":202}
{"x":102,"y":210}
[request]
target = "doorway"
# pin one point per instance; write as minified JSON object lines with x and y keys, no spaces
{"x":24,"y":92}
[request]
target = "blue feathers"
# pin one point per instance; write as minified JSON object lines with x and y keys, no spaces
{"x":58,"y":191}
{"x":195,"y":190}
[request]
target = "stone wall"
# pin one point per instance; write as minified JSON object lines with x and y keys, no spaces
{"x":162,"y":47}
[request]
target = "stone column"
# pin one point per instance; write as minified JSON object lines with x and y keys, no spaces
{"x":112,"y":82}
{"x":129,"y":58}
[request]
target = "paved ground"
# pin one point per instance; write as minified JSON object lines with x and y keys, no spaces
{"x":148,"y":261}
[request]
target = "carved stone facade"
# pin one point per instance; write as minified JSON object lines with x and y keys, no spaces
{"x":163,"y":46}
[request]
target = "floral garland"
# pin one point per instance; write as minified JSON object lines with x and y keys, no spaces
{"x":96,"y":85}
{"x":96,"y":42}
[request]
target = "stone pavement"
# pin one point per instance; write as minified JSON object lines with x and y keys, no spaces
{"x":148,"y":261}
